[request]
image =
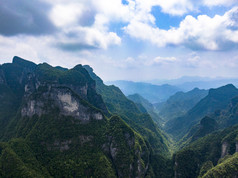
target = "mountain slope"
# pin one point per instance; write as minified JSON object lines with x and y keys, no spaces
{"x":61,"y":129}
{"x":153,"y":93}
{"x":214,"y":147}
{"x":117,"y":103}
{"x":227,"y":168}
{"x":216,"y":99}
{"x":206,"y":126}
{"x":220,"y":119}
{"x":139,"y":100}
{"x":227,"y":117}
{"x":179,"y":103}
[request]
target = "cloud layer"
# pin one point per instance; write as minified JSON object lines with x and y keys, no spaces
{"x":25,"y":17}
{"x":88,"y":24}
{"x":122,"y":34}
{"x":202,"y":32}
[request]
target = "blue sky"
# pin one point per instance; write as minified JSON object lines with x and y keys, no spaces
{"x":125,"y":40}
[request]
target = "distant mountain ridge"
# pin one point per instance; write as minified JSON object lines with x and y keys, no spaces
{"x":179,"y":103}
{"x":216,"y":99}
{"x":220,"y":119}
{"x":187,"y":83}
{"x":153,"y":93}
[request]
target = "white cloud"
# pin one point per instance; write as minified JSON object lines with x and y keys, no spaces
{"x":130,"y":60}
{"x":173,"y":7}
{"x":87,"y":23}
{"x":67,"y":15}
{"x":88,"y":36}
{"x":112,"y":9}
{"x":219,"y":2}
{"x":72,"y":16}
{"x":202,"y":32}
{"x":64,"y":15}
{"x":161,"y":60}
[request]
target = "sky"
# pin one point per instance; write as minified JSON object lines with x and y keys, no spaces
{"x":135,"y":40}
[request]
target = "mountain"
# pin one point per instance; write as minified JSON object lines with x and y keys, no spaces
{"x":58,"y":122}
{"x":55,"y":124}
{"x":227,"y":168}
{"x":220,"y":119}
{"x":153,"y":93}
{"x":216,"y":99}
{"x":206,"y":126}
{"x":207,"y":84}
{"x":181,"y":80}
{"x":179,"y":103}
{"x":227,"y":117}
{"x":187,"y":83}
{"x":145,"y":106}
{"x":118,"y":104}
{"x":217,"y":149}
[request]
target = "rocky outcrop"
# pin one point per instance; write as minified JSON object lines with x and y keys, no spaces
{"x":2,"y":78}
{"x":128,"y":152}
{"x":62,"y":99}
{"x":58,"y":145}
{"x":236,"y":146}
{"x":33,"y":107}
{"x":175,"y":170}
{"x":224,"y":149}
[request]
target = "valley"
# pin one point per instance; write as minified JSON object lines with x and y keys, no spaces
{"x":58,"y":122}
{"x":118,"y":89}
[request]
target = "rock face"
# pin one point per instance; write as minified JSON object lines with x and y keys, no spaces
{"x":31,"y":108}
{"x":58,"y":145}
{"x":62,"y":99}
{"x":224,"y":149}
{"x":2,"y":80}
{"x":65,"y":88}
{"x":119,"y":143}
{"x":236,"y":146}
{"x":175,"y":171}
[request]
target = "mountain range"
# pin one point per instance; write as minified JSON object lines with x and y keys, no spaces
{"x":187,"y":83}
{"x":179,"y":103}
{"x":216,"y":99}
{"x":60,"y":127}
{"x":59,"y":122}
{"x":153,"y":93}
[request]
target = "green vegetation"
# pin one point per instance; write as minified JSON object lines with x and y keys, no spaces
{"x":227,"y":117}
{"x":146,"y":107}
{"x":57,"y":122}
{"x":190,"y":159}
{"x":205,"y":167}
{"x":216,"y":99}
{"x":18,"y":160}
{"x":53,"y":141}
{"x":207,"y":125}
{"x":118,"y":104}
{"x":228,"y":168}
{"x":180,"y":103}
